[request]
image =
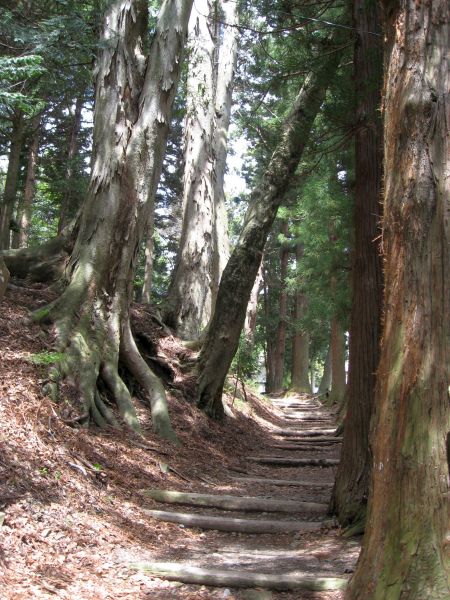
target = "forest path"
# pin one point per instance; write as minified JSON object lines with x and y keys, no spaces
{"x":252,"y":537}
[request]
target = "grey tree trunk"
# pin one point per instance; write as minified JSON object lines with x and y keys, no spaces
{"x":223,"y":103}
{"x":188,"y":305}
{"x":69,"y":202}
{"x":148,"y":270}
{"x":352,"y":481}
{"x":239,"y":275}
{"x":23,"y":218}
{"x":252,"y":306}
{"x":134,"y":98}
{"x":12,"y":175}
{"x":406,"y":545}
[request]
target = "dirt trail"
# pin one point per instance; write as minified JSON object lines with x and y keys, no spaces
{"x":74,"y":517}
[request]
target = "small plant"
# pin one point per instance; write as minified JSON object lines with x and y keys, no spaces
{"x":45,"y":358}
{"x":97,"y":467}
{"x":43,"y":471}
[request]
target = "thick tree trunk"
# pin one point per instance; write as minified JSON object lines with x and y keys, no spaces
{"x":238,"y":278}
{"x":405,"y":551}
{"x":12,"y":175}
{"x":23,"y":218}
{"x":300,"y":343}
{"x":352,"y":481}
{"x":70,"y":204}
{"x":188,"y":305}
{"x":337,"y":342}
{"x":325,"y":382}
{"x":4,"y":277}
{"x":223,"y":103}
{"x":280,"y":338}
{"x":134,"y":98}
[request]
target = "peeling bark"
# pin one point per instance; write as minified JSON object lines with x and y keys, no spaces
{"x":405,"y":552}
{"x":134,"y":98}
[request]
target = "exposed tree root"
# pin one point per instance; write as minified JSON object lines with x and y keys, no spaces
{"x":243,"y":579}
{"x":90,"y":338}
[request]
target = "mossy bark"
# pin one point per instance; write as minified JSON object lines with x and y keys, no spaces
{"x":134,"y":97}
{"x":405,"y":550}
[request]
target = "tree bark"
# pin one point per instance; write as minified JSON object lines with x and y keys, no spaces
{"x":300,"y":343}
{"x":222,"y":338}
{"x":66,"y":210}
{"x":337,"y":342}
{"x":148,"y":269}
{"x":188,"y":304}
{"x":23,"y":218}
{"x":405,"y":551}
{"x":4,"y":277}
{"x":325,"y":382}
{"x":280,"y":339}
{"x":12,"y":176}
{"x":352,"y":481}
{"x":134,"y":98}
{"x":223,"y":103}
{"x":252,"y":306}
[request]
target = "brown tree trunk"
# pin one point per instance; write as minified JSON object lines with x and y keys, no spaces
{"x":406,"y":546}
{"x":23,"y":218}
{"x":280,"y":339}
{"x":325,"y":382}
{"x":134,"y":98}
{"x":66,"y":210}
{"x":352,"y":481}
{"x":300,"y":343}
{"x":238,"y":278}
{"x":337,"y":342}
{"x":252,"y":306}
{"x":12,"y":176}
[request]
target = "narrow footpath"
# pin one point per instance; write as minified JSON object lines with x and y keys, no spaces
{"x":264,"y":529}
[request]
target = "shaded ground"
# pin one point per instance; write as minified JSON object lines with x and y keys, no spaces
{"x":72,"y":501}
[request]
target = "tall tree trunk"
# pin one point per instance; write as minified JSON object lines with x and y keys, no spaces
{"x":280,"y":339}
{"x":12,"y":176}
{"x":134,"y":98}
{"x":325,"y":382}
{"x":337,"y":342}
{"x":300,"y":342}
{"x":406,"y":546}
{"x":223,"y":103}
{"x":148,"y":268}
{"x":270,"y":343}
{"x":239,"y":275}
{"x":352,"y":482}
{"x":66,"y":210}
{"x":23,"y":218}
{"x":188,"y":305}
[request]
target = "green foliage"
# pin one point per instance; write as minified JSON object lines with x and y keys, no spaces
{"x":245,"y":365}
{"x":45,"y":358}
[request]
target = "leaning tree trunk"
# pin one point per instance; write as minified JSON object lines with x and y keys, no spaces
{"x":133,"y":104}
{"x":300,"y":341}
{"x":188,"y":304}
{"x":252,"y":306}
{"x":222,"y":338}
{"x":352,"y":481}
{"x":23,"y":218}
{"x":406,"y":546}
{"x":12,"y":176}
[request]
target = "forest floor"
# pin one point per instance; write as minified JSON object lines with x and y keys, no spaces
{"x":72,"y":501}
